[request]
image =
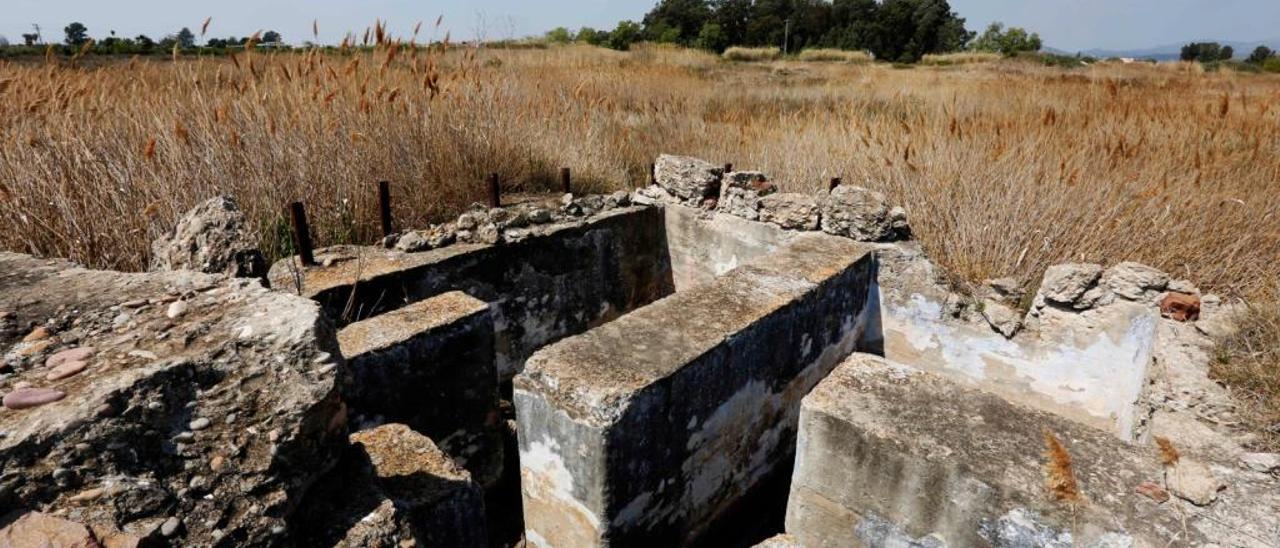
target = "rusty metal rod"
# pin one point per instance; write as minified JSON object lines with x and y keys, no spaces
{"x":301,"y":234}
{"x":565,"y":178}
{"x":384,"y":206}
{"x":495,"y":191}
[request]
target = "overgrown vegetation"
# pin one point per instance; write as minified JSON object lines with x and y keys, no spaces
{"x":1249,"y":362}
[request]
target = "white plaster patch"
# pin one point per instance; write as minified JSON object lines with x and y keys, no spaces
{"x":1099,"y":372}
{"x":543,"y":458}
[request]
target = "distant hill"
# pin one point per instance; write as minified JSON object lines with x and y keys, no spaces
{"x":1170,"y":52}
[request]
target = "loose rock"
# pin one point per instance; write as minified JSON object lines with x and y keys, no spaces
{"x":791,"y":211}
{"x":1193,"y":481}
{"x":1065,"y":284}
{"x":690,"y":180}
{"x":1135,"y":281}
{"x":857,"y":213}
{"x":214,"y":237}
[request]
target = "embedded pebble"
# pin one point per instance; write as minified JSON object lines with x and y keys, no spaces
{"x":87,"y":495}
{"x":170,"y":526}
{"x":146,"y":355}
{"x":73,"y":355}
{"x":26,"y":398}
{"x":34,"y":348}
{"x":37,"y":334}
{"x":177,"y":308}
{"x":216,"y":463}
{"x":184,"y":437}
{"x":66,"y":370}
{"x":199,"y":424}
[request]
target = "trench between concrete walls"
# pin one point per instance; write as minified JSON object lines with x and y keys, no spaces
{"x":576,"y":279}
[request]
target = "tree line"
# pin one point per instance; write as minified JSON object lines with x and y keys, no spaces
{"x":76,"y":38}
{"x":893,"y":30}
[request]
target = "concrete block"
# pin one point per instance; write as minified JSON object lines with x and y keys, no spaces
{"x":652,"y":428}
{"x":430,"y":365}
{"x":889,"y":455}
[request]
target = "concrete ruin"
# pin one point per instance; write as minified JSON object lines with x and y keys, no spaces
{"x":705,"y":361}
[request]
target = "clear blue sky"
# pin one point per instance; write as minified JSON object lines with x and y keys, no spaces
{"x":1065,"y":24}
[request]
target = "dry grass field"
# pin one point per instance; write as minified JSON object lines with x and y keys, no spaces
{"x":1004,"y":167}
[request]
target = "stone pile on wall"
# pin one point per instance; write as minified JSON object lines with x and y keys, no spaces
{"x":846,"y":210}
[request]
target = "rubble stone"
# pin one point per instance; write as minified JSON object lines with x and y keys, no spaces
{"x":1065,"y":284}
{"x":1003,"y":318}
{"x":740,"y":193}
{"x":858,"y":213}
{"x":1135,"y":281}
{"x":1192,"y":480}
{"x":214,"y":237}
{"x":412,"y":242}
{"x":689,"y":180}
{"x":791,"y":211}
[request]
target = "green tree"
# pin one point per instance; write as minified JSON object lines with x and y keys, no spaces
{"x":559,"y":35}
{"x":1202,"y":51}
{"x":77,"y":34}
{"x":30,"y":39}
{"x":145,"y":43}
{"x":906,"y":30}
{"x":1227,"y":53}
{"x":853,"y":24}
{"x":272,"y":37}
{"x":678,"y":21}
{"x":712,"y":37}
{"x":1260,"y":55}
{"x":733,"y":16}
{"x":592,"y":36}
{"x":1009,"y":41}
{"x":185,"y":38}
{"x":626,"y":33}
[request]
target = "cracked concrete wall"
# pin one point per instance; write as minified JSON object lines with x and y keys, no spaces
{"x":648,"y":429}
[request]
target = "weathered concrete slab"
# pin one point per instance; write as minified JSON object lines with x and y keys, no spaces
{"x":562,"y":280}
{"x":705,"y":245}
{"x":893,"y":456}
{"x":395,"y":488}
{"x":430,"y":365}
{"x":649,"y":428}
{"x":199,"y":412}
{"x":1089,"y":366}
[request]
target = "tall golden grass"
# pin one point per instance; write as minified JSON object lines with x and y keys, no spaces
{"x":1004,"y":167}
